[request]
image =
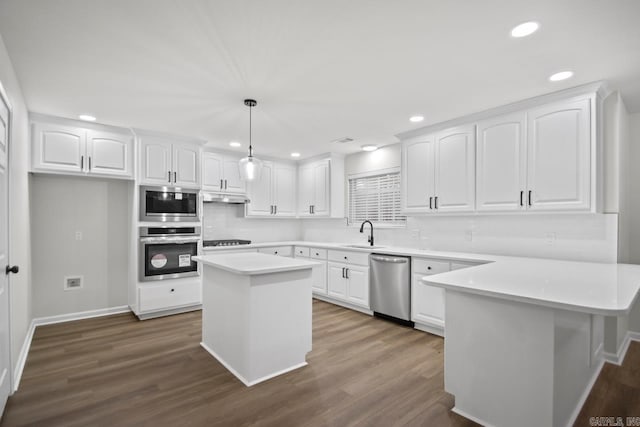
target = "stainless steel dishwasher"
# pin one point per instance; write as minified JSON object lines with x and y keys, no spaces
{"x":390,"y":287}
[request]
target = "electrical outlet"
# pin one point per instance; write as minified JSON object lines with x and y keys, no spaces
{"x":72,"y":283}
{"x":468,"y":235}
{"x":78,"y":235}
{"x":550,"y":238}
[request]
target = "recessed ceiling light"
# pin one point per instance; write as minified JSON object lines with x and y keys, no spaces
{"x":369,"y":147}
{"x":562,"y":75}
{"x":295,"y":154}
{"x":416,"y":119}
{"x":235,"y":144}
{"x":87,"y":117}
{"x":525,"y":29}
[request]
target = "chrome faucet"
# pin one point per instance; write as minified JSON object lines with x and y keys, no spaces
{"x":370,"y":238}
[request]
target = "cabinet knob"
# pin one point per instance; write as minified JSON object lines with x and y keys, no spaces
{"x":429,"y":268}
{"x":345,"y":258}
{"x":173,"y":290}
{"x":317,"y":254}
{"x":276,"y":252}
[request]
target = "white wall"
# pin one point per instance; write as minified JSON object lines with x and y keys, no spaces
{"x":226,"y":221}
{"x":634,"y":206}
{"x":99,"y":210}
{"x":19,"y":241}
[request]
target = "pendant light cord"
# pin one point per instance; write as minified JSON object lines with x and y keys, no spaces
{"x":250,"y":147}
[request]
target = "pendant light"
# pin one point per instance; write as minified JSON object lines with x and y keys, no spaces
{"x":250,"y":167}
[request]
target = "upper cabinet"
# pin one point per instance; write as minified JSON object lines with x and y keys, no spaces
{"x":274,"y":194}
{"x":74,"y":150}
{"x":538,"y":160}
{"x":220,"y":173}
{"x":321,"y":188}
{"x":439,"y":172}
{"x":163,"y":162}
{"x":501,"y":163}
{"x":559,"y":156}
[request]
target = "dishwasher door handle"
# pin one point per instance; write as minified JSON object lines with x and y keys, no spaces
{"x":389,"y":259}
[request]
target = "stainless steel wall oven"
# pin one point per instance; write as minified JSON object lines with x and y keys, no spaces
{"x":166,"y":251}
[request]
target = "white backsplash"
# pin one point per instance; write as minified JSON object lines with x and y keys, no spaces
{"x":584,"y":237}
{"x":226,"y":221}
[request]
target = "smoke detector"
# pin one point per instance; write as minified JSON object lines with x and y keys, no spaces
{"x":344,"y":140}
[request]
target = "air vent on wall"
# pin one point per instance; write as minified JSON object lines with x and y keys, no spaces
{"x":72,"y":282}
{"x":344,"y":140}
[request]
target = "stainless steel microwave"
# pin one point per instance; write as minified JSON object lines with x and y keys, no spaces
{"x":168,"y":204}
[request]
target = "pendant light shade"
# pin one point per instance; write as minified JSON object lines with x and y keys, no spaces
{"x":250,"y":167}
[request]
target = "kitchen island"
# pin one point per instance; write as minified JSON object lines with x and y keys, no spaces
{"x":256,"y":313}
{"x":524,"y":337}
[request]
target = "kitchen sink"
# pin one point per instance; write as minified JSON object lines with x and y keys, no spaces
{"x":362,"y":246}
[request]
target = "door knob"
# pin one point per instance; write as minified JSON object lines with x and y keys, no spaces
{"x":13,"y":269}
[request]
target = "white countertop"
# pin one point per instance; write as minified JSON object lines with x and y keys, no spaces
{"x":598,"y":288}
{"x":250,"y":264}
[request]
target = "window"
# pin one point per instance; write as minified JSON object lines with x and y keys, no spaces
{"x":376,"y":197}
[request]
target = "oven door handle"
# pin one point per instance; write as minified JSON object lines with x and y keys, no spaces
{"x":169,"y":239}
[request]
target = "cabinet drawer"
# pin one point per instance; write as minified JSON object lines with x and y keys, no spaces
{"x":318,"y":253}
{"x":277,"y":250}
{"x":429,"y":266}
{"x":165,"y":296}
{"x":360,"y":258}
{"x":301,"y":251}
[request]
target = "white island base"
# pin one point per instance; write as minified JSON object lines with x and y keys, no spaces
{"x":516,"y":364}
{"x":257,"y":324}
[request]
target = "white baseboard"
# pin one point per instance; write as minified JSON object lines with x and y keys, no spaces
{"x":342,"y":304}
{"x":618,"y":357}
{"x":243,"y":379}
{"x":434,"y":330}
{"x":49,"y":320}
{"x":22,"y":357}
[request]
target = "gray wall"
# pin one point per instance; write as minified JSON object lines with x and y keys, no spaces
{"x":99,"y":209}
{"x":19,"y":241}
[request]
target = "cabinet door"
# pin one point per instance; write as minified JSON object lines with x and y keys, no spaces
{"x":559,"y":156}
{"x":59,"y":148}
{"x":336,"y":282}
{"x":427,"y":303}
{"x":110,"y":154}
{"x":231,"y":174}
{"x":321,"y":189}
{"x":284,"y":190}
{"x":185,"y":166}
{"x":319,"y":279}
{"x":501,"y":164}
{"x":418,"y":176}
{"x":455,"y":170}
{"x":212,"y":172}
{"x":260,"y":193}
{"x":306,"y":190}
{"x":358,"y":285}
{"x":155,"y":161}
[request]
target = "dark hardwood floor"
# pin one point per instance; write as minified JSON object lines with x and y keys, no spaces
{"x":363,"y":371}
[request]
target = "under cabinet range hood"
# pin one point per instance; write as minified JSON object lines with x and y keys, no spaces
{"x":224,"y":198}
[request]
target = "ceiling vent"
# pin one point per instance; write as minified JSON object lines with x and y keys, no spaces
{"x":344,"y":140}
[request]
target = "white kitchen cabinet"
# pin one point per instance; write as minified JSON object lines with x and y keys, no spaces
{"x":439,"y":172}
{"x":348,"y":277}
{"x":273,"y":195}
{"x":164,"y":162}
{"x":418,"y":174}
{"x":286,"y":251}
{"x":455,"y":170}
{"x":427,"y":302}
{"x":319,"y":272}
{"x":559,"y":156}
{"x":314,"y":189}
{"x":75,"y":150}
{"x":220,"y":173}
{"x":501,"y":178}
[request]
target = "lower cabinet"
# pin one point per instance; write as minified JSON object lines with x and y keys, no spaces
{"x":168,"y":295}
{"x":349,"y":282}
{"x":278,"y":250}
{"x":319,"y":274}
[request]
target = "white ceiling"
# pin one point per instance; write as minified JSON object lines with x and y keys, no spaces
{"x":320,"y":70}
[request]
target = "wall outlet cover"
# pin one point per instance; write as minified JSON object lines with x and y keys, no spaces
{"x":72,"y":283}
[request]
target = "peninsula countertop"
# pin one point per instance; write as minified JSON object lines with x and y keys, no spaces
{"x":251,"y":264}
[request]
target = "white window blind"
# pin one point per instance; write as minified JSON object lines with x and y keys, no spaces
{"x":376,"y":198}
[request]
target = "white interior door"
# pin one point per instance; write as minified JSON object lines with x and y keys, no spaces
{"x":5,"y":362}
